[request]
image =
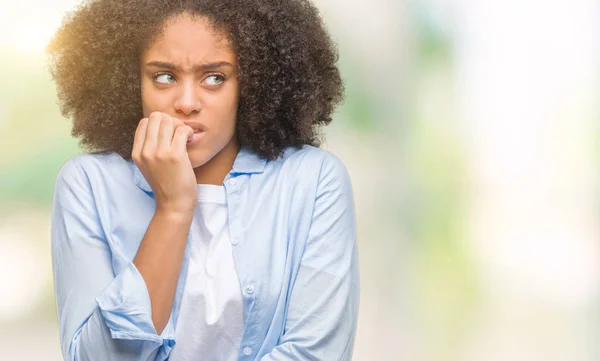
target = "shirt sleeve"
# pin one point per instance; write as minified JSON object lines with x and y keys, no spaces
{"x":102,"y":316}
{"x":322,"y":312}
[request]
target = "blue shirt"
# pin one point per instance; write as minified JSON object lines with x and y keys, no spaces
{"x":292,"y":228}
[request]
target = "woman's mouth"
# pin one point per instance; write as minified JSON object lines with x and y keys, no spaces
{"x":196,"y":136}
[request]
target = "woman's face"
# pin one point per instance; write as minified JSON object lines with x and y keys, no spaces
{"x":190,"y":73}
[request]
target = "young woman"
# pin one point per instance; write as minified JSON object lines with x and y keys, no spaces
{"x":204,"y":223}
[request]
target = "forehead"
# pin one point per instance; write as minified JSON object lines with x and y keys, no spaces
{"x":188,"y":40}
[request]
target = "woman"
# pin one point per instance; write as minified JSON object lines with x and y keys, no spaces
{"x":204,"y":223}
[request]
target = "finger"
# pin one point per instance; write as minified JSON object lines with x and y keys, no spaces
{"x":165,"y":133}
{"x":176,"y":123}
{"x":138,"y":139}
{"x":182,"y":134}
{"x":151,"y":140}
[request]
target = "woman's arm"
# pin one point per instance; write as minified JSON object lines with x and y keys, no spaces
{"x":159,"y":262}
{"x":323,"y":308}
{"x":103,"y":316}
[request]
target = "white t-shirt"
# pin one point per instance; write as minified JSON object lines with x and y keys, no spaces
{"x":211,"y":321}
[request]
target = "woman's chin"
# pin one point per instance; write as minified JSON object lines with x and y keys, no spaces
{"x":198,"y":158}
{"x":198,"y":162}
{"x":202,"y":154}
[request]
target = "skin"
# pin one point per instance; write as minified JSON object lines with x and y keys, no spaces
{"x":289,"y":88}
{"x":188,"y":81}
{"x":289,"y":79}
{"x":190,"y":73}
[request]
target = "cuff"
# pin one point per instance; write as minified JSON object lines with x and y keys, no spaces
{"x":126,"y":309}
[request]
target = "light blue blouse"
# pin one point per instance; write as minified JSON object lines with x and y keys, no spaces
{"x":292,"y":228}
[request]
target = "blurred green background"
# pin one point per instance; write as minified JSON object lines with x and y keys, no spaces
{"x":470,"y":130}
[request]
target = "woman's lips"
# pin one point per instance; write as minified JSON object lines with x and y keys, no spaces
{"x":196,"y":136}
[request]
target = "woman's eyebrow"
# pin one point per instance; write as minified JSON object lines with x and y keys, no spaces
{"x":196,"y":68}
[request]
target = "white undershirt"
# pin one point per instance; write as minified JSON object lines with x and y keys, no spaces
{"x":211,"y":320}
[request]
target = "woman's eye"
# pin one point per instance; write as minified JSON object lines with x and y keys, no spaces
{"x":164,"y":78}
{"x":214,"y":80}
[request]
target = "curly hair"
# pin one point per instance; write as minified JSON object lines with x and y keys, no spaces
{"x":289,"y":80}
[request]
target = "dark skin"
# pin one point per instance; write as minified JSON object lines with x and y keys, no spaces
{"x":132,"y":86}
{"x":287,"y":76}
{"x":190,"y":73}
{"x":188,"y":83}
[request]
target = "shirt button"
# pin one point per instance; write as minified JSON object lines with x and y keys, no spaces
{"x":247,"y":351}
{"x":232,"y":181}
{"x":235,"y":241}
{"x":250,"y":289}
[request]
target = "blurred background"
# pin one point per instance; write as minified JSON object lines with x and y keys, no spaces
{"x":470,"y":130}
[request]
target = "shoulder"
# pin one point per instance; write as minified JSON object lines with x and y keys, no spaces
{"x":86,"y":167}
{"x":94,"y":162}
{"x":308,"y":171}
{"x":319,"y":165}
{"x":315,"y":162}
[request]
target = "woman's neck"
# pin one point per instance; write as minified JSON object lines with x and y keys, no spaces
{"x":216,"y":169}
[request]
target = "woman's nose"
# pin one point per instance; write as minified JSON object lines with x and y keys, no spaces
{"x":188,"y":99}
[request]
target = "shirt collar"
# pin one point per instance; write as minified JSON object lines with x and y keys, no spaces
{"x":246,"y":161}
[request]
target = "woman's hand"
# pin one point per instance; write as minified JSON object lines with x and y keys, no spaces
{"x":160,"y":152}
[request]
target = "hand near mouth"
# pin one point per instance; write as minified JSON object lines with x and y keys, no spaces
{"x":160,"y":152}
